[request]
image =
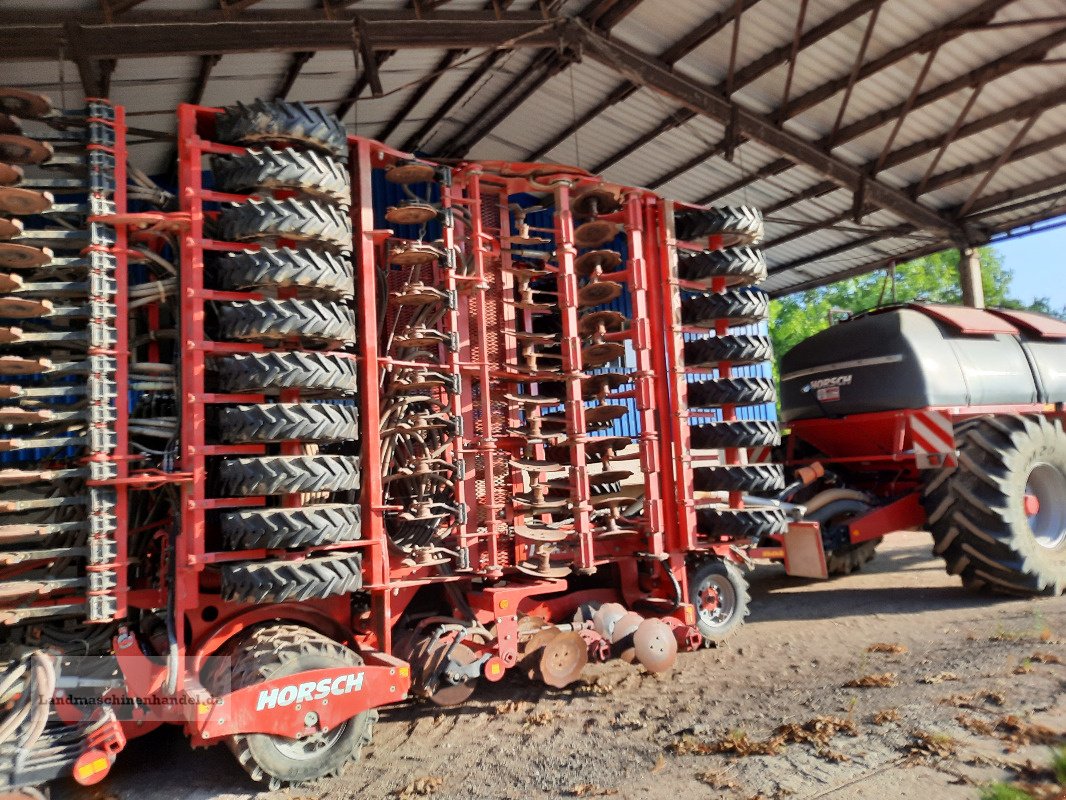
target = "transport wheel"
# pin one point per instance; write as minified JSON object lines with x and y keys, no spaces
{"x":737,"y":225}
{"x":281,"y":422}
{"x":283,"y":580}
{"x":740,"y":266}
{"x":309,"y":221}
{"x":759,"y":479}
{"x":740,"y":433}
{"x":274,"y":651}
{"x":731,"y":391}
{"x":842,"y":556}
{"x":719,"y":591}
{"x":311,"y":174}
{"x":312,"y":321}
{"x":1005,"y":529}
{"x":739,"y":350}
{"x":738,"y":306}
{"x":278,"y":122}
{"x":278,"y":528}
{"x":309,"y":271}
{"x":274,"y":372}
{"x":256,"y":475}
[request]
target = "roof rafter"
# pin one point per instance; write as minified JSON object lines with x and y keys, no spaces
{"x":416,"y":92}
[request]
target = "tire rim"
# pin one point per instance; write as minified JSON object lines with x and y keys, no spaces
{"x":1048,"y":485}
{"x":717,"y":601}
{"x":309,"y":746}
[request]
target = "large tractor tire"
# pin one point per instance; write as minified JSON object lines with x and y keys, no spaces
{"x":308,"y":271}
{"x":280,"y":123}
{"x":275,"y":651}
{"x":840,"y":506}
{"x":999,"y":518}
{"x":738,"y":306}
{"x":278,"y":371}
{"x":310,"y":174}
{"x":291,"y":528}
{"x":738,"y":433}
{"x":740,"y":266}
{"x":759,"y":479}
{"x":719,"y":591}
{"x":737,"y":225}
{"x":295,"y":581}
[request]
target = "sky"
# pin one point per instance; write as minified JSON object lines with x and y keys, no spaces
{"x":1039,"y":265}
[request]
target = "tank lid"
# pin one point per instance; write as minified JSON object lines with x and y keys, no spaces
{"x":1033,"y":323}
{"x":964,"y":319}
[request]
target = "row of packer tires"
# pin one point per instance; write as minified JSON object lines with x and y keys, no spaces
{"x":303,"y":270}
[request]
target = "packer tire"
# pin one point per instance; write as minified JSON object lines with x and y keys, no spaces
{"x":740,"y":350}
{"x":740,"y":266}
{"x":985,"y":535}
{"x":731,"y":391}
{"x":757,"y":479}
{"x":738,"y":306}
{"x":747,"y":523}
{"x":291,"y":528}
{"x":266,"y":475}
{"x":739,"y":433}
{"x":283,"y":123}
{"x":312,"y":321}
{"x":719,"y":591}
{"x":737,"y":225}
{"x":312,"y":174}
{"x":289,"y":422}
{"x":273,"y":372}
{"x":274,"y":651}
{"x":310,"y":221}
{"x":281,"y":580}
{"x":288,"y":268}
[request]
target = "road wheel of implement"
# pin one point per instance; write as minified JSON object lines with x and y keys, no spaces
{"x":731,"y":391}
{"x":281,"y":581}
{"x":287,"y":268}
{"x":841,"y":555}
{"x":719,"y":591}
{"x":281,"y":422}
{"x":278,"y":122}
{"x":760,"y":479}
{"x":740,"y":433}
{"x":309,"y":174}
{"x":280,"y":528}
{"x":269,"y":320}
{"x":747,"y":523}
{"x":1005,"y":529}
{"x":274,"y":372}
{"x":740,"y":266}
{"x":737,"y":225}
{"x":739,"y":350}
{"x":258,"y":475}
{"x":275,"y":651}
{"x":308,"y":221}
{"x":937,"y":497}
{"x":738,"y":306}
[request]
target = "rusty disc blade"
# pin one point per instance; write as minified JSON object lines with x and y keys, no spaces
{"x":605,"y":413}
{"x":16,"y":149}
{"x":13,"y":365}
{"x":603,"y":260}
{"x":10,"y":282}
{"x":540,"y":535}
{"x":609,"y":476}
{"x":531,"y":400}
{"x":24,"y":308}
{"x":539,"y":639}
{"x":654,"y":645}
{"x":602,"y":444}
{"x":420,"y":336}
{"x":563,"y":659}
{"x":24,"y":104}
{"x":607,"y":321}
{"x":22,"y":256}
{"x":24,"y":201}
{"x":411,"y":173}
{"x":536,"y":308}
{"x":411,"y":214}
{"x":10,"y":228}
{"x":448,"y":693}
{"x":536,"y":505}
{"x":593,"y":201}
{"x":533,"y":338}
{"x":603,"y":381}
{"x":605,"y":617}
{"x":596,"y":355}
{"x":613,"y":500}
{"x":535,"y":465}
{"x":414,"y":254}
{"x":9,"y":174}
{"x":417,"y":294}
{"x":597,"y":293}
{"x":595,"y":234}
{"x":622,"y":637}
{"x":10,"y":124}
{"x":529,"y":240}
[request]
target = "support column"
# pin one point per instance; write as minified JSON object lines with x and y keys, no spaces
{"x":973,"y":292}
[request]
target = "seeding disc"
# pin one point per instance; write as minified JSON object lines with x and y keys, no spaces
{"x":9,"y":174}
{"x":563,"y":659}
{"x":609,"y":321}
{"x":411,"y":214}
{"x":655,"y":646}
{"x":595,"y":234}
{"x":24,"y":104}
{"x":17,"y":149}
{"x":24,"y":201}
{"x":411,"y":173}
{"x":598,"y":292}
{"x":596,"y":355}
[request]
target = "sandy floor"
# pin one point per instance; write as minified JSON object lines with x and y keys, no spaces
{"x":626,"y":734}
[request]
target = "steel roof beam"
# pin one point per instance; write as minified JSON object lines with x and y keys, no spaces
{"x":416,"y":93}
{"x":292,"y":72}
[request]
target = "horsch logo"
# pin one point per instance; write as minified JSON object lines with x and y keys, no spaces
{"x":308,"y":691}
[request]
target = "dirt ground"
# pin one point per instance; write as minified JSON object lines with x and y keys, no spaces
{"x":970,"y":678}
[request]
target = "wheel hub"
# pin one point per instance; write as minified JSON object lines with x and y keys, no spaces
{"x":717,"y":601}
{"x":1045,"y":505}
{"x":309,"y":746}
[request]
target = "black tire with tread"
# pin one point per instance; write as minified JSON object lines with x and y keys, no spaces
{"x":738,"y":306}
{"x":291,"y":528}
{"x":747,"y":523}
{"x":976,"y":511}
{"x":275,"y":650}
{"x":278,"y":371}
{"x":309,"y":221}
{"x":738,"y":225}
{"x":738,"y":433}
{"x":847,"y":557}
{"x":284,"y":422}
{"x":310,"y":271}
{"x":256,"y":475}
{"x":731,"y":391}
{"x":312,"y":174}
{"x":739,"y":349}
{"x":757,"y":479}
{"x":270,"y":320}
{"x":740,"y":266}
{"x":282,"y":580}
{"x":715,"y":570}
{"x":281,"y":122}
